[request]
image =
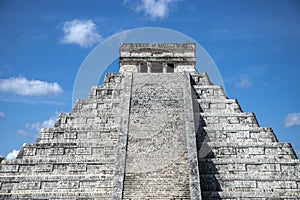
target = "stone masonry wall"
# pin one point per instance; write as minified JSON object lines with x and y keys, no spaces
{"x":76,"y":158}
{"x":238,"y":159}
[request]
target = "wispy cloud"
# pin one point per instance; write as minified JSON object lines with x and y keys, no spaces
{"x":297,"y":149}
{"x":249,"y":73}
{"x":32,"y":130}
{"x":292,"y":119}
{"x":22,"y":86}
{"x":35,"y":101}
{"x":44,"y":124}
{"x":81,"y":32}
{"x":243,"y":83}
{"x":12,"y":155}
{"x":2,"y":114}
{"x":154,"y":9}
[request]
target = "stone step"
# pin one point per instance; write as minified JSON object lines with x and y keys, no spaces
{"x":293,"y":179}
{"x":110,"y":139}
{"x":200,"y":78}
{"x":57,"y":177}
{"x":101,"y":156}
{"x":40,"y":151}
{"x":76,"y":144}
{"x":209,"y":92}
{"x":250,"y":149}
{"x":252,"y":144}
{"x":77,"y":134}
{"x":160,"y":196}
{"x":75,"y":160}
{"x":83,"y":124}
{"x":253,"y":134}
{"x":56,"y":184}
{"x":100,"y":112}
{"x":214,"y":183}
{"x":233,"y":120}
{"x":40,"y":184}
{"x":68,"y":195}
{"x":21,"y":168}
{"x":92,"y":121}
{"x":219,"y":105}
{"x":249,"y":165}
{"x":262,"y":160}
{"x":112,"y":78}
{"x":253,"y":194}
{"x":98,"y":103}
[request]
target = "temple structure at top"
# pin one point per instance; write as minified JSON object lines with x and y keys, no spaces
{"x":157,"y":58}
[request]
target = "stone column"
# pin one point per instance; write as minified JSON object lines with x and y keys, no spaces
{"x":149,"y":67}
{"x":164,"y":67}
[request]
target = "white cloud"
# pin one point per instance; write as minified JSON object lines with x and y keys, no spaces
{"x":44,"y":124}
{"x":292,"y":119}
{"x":22,"y":86}
{"x":2,"y":114}
{"x":81,"y":32}
{"x":243,"y":83}
{"x":257,"y":69}
{"x":26,"y":133}
{"x":154,"y":9}
{"x":12,"y":155}
{"x":32,"y":130}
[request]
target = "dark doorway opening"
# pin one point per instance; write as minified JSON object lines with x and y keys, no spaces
{"x":143,"y":68}
{"x":156,"y":68}
{"x":170,"y":68}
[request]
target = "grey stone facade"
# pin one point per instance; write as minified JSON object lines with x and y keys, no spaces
{"x":156,"y":130}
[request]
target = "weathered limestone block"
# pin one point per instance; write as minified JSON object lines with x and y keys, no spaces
{"x":200,"y":78}
{"x":269,"y":167}
{"x":209,"y":91}
{"x":84,"y":151}
{"x":77,"y":167}
{"x":251,"y":150}
{"x":284,"y":149}
{"x":46,"y":134}
{"x":28,"y":150}
{"x":35,"y":185}
{"x":239,"y":184}
{"x":67,"y":184}
{"x":43,"y":167}
{"x":8,"y":168}
{"x":7,"y":186}
{"x":70,"y":135}
{"x":25,"y":169}
{"x":228,"y":167}
{"x":278,"y":184}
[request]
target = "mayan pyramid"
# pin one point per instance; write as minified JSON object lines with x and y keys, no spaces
{"x":155,"y":130}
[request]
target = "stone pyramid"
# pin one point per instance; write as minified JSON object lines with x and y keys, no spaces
{"x":156,"y":130}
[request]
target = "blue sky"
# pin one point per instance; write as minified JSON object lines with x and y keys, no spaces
{"x":254,"y":43}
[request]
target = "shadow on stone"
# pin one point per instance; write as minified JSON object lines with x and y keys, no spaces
{"x":210,"y":185}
